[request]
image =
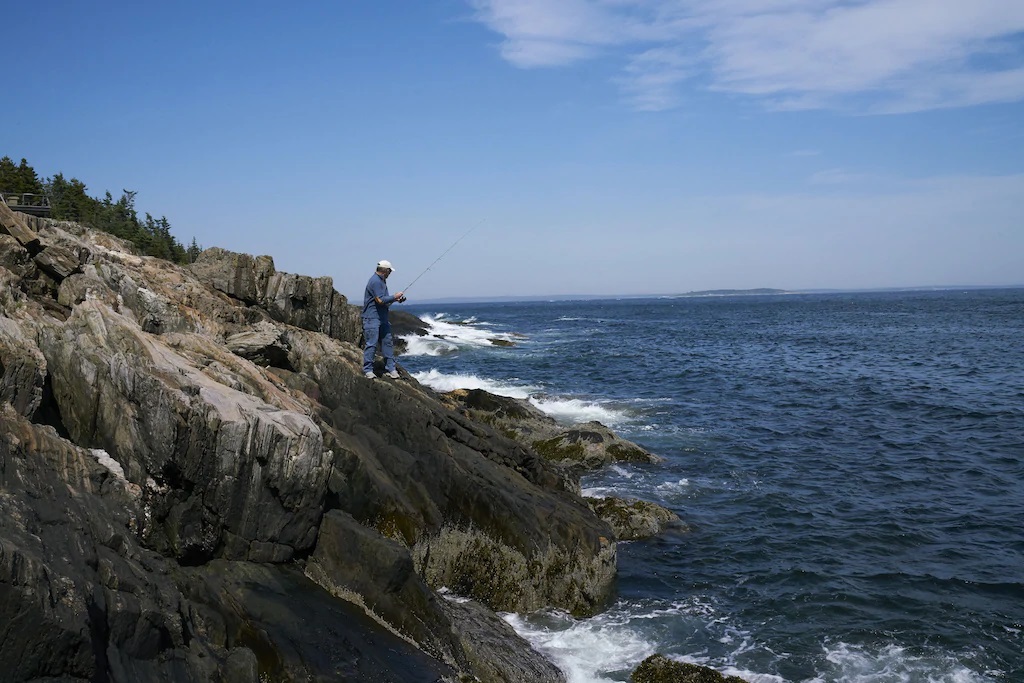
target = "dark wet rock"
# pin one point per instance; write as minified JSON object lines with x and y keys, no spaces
{"x":296,"y":632}
{"x":80,"y":599}
{"x":591,"y":445}
{"x":404,"y":323}
{"x":483,"y":515}
{"x":352,"y":560}
{"x":588,"y":446}
{"x":661,"y":669}
{"x":633,"y":519}
{"x":495,"y":651}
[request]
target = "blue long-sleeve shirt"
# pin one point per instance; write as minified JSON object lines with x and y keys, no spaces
{"x":377,"y":288}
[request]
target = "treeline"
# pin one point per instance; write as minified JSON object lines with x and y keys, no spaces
{"x":70,"y":201}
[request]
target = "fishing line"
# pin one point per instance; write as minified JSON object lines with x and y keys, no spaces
{"x":442,"y":255}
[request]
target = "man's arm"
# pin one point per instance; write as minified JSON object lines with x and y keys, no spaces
{"x":388,"y":300}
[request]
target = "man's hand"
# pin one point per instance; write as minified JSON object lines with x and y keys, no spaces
{"x":400,"y":297}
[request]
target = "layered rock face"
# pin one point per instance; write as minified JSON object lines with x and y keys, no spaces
{"x":198,"y":484}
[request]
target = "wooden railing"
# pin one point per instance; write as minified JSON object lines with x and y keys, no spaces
{"x":32,"y":204}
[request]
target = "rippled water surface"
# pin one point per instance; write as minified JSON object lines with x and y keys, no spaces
{"x":850,"y":466}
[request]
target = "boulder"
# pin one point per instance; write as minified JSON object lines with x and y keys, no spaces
{"x":80,"y":286}
{"x":297,"y":631}
{"x":661,"y":669}
{"x":633,"y":519}
{"x":495,"y":651}
{"x":586,"y":446}
{"x":13,"y":224}
{"x":299,"y":300}
{"x":15,"y":257}
{"x":355,"y":561}
{"x":57,"y":261}
{"x":263,"y":344}
{"x":240,"y":276}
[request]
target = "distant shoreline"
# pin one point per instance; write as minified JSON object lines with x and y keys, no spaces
{"x":761,"y":291}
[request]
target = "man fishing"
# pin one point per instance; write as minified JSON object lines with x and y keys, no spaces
{"x":376,"y":326}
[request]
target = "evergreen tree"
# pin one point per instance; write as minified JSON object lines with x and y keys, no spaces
{"x":194,"y":250}
{"x":18,"y":179}
{"x":70,"y":201}
{"x":28,"y":180}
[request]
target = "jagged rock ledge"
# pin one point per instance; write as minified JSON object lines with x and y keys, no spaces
{"x":197,"y":484}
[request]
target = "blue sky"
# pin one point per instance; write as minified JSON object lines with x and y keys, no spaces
{"x":600,"y":146}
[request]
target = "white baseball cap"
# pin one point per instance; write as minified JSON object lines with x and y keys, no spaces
{"x":384,"y":265}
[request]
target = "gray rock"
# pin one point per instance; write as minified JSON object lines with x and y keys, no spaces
{"x":22,"y":369}
{"x":264,"y":344}
{"x":353,"y":561}
{"x":241,"y":276}
{"x":299,"y":300}
{"x":13,"y":224}
{"x":79,"y":287}
{"x":58,"y":262}
{"x":588,"y":446}
{"x":159,"y":435}
{"x":483,"y":515}
{"x":242,"y":469}
{"x":495,"y":651}
{"x":633,"y":519}
{"x":661,"y":669}
{"x":79,"y":598}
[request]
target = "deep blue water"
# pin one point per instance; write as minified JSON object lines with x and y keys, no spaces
{"x":850,"y":466}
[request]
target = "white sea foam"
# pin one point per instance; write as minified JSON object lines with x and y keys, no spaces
{"x":446,"y":336}
{"x":857,"y":664}
{"x":574,"y":410}
{"x":586,"y":651}
{"x":447,"y":594}
{"x":565,"y":410}
{"x":440,"y":381}
{"x":610,"y":645}
{"x":673,"y":486}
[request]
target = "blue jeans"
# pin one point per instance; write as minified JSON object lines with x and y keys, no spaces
{"x":377,"y":331}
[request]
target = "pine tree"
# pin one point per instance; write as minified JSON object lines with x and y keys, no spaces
{"x":194,"y":250}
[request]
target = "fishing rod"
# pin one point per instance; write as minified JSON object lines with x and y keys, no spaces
{"x":442,"y":255}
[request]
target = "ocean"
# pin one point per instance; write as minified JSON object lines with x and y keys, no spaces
{"x":849,"y":468}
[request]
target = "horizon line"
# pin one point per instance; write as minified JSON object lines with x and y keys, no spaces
{"x":708,"y":293}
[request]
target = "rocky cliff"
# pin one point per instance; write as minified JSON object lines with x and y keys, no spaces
{"x":198,"y":484}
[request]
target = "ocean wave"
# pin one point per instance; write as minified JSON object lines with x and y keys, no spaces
{"x":847,"y":663}
{"x":573,"y":411}
{"x":586,"y":650}
{"x":607,"y":647}
{"x":446,"y":335}
{"x":562,"y":409}
{"x":440,"y":381}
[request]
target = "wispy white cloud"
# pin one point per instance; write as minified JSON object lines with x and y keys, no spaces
{"x":862,"y":55}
